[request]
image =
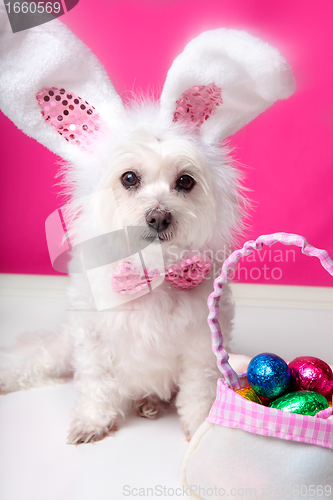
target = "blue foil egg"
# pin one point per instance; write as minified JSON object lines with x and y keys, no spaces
{"x":268,"y":375}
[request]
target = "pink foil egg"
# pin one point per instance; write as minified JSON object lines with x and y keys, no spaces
{"x":311,"y":374}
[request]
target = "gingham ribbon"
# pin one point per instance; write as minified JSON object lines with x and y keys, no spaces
{"x":213,"y":300}
{"x":231,"y":409}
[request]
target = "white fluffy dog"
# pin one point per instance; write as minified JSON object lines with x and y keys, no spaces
{"x":168,"y":174}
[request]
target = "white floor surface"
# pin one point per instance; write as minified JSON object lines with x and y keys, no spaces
{"x":142,"y":460}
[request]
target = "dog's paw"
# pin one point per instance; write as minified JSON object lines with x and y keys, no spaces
{"x":193,"y":414}
{"x":8,"y":382}
{"x":2,"y":385}
{"x":148,"y":407}
{"x":187,"y":435}
{"x":82,"y":433}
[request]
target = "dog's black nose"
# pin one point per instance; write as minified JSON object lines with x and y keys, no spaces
{"x":158,"y":220}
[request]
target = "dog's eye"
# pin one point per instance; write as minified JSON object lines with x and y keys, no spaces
{"x":185,"y":183}
{"x":130,"y":179}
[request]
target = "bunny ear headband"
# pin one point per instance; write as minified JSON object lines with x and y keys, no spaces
{"x":55,"y":90}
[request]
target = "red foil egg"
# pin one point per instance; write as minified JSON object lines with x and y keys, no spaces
{"x":311,"y":374}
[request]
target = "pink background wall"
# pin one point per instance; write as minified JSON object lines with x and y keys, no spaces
{"x":286,"y":153}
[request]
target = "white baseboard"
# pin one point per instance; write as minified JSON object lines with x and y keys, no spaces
{"x":246,"y":295}
{"x":287,"y":297}
{"x":33,"y":285}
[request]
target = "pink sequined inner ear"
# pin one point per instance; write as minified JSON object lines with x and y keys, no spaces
{"x":70,"y":115}
{"x":197,"y":104}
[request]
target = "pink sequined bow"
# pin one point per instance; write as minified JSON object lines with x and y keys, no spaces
{"x":185,"y":275}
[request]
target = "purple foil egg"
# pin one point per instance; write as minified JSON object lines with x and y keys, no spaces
{"x":311,"y":374}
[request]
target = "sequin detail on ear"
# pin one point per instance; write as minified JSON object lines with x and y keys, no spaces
{"x":70,"y":115}
{"x":197,"y":104}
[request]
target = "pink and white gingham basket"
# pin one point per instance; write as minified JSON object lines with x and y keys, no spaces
{"x":246,"y":447}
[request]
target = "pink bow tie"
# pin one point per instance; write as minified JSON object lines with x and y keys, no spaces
{"x":185,"y":275}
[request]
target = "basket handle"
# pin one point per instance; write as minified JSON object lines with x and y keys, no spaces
{"x":232,"y":379}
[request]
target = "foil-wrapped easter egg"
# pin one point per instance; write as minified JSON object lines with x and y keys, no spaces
{"x":311,"y":374}
{"x":248,"y":393}
{"x":268,"y":375}
{"x":302,"y":402}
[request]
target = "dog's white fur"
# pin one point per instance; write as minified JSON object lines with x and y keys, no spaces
{"x":159,"y":344}
{"x":163,"y":343}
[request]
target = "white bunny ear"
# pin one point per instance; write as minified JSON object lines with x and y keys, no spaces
{"x":222,"y":80}
{"x":50,"y":63}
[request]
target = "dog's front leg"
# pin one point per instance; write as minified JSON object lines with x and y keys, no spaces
{"x":197,"y":390}
{"x":96,"y":408}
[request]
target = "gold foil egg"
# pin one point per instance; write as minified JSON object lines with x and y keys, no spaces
{"x":248,"y":393}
